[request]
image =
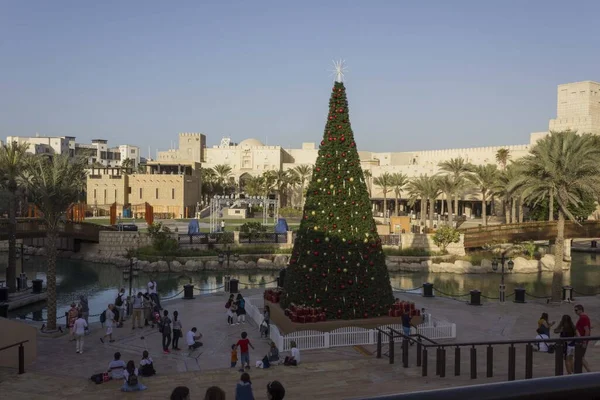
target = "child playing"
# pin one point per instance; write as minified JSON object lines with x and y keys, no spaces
{"x":233,"y":356}
{"x":146,"y":365}
{"x":232,"y":312}
{"x":229,"y":312}
{"x":243,"y":344}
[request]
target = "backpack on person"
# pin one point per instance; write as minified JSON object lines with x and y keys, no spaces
{"x":161,"y":325}
{"x":132,"y":380}
{"x":119,"y":301}
{"x":228,"y":304}
{"x":103,"y":317}
{"x":242,"y":304}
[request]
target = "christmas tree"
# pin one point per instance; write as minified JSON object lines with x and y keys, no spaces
{"x":337,"y":262}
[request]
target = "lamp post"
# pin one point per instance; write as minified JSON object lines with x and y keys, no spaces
{"x":511,"y":265}
{"x":227,"y":254}
{"x":130,"y":275}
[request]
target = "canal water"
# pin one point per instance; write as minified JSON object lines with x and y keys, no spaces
{"x":101,"y":282}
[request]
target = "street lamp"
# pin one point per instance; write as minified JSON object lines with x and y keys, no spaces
{"x":510,"y":265}
{"x":227,"y":254}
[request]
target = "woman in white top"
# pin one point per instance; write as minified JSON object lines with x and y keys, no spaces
{"x":131,"y":377}
{"x":79,"y":330}
{"x":294,"y":358}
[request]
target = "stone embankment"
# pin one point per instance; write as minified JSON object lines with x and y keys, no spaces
{"x":278,"y":261}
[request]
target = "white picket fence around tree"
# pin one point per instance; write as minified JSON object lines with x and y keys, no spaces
{"x":347,"y":336}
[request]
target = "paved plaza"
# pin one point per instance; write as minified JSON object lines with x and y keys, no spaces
{"x":331,"y":373}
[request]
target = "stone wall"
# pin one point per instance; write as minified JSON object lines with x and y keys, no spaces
{"x":111,"y":241}
{"x":425,"y":241}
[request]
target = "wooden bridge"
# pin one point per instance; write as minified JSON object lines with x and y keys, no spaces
{"x":523,"y":232}
{"x":36,"y":228}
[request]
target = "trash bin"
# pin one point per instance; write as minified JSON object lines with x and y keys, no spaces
{"x":475,"y":297}
{"x":233,"y":286}
{"x":594,"y":243}
{"x":188,"y":292}
{"x":519,"y":295}
{"x":4,"y":310}
{"x":281,"y":278}
{"x":3,"y":294}
{"x":36,"y":285}
{"x":567,"y":293}
{"x":428,"y":289}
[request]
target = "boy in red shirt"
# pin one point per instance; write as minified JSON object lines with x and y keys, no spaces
{"x":584,"y":328}
{"x":243,"y":344}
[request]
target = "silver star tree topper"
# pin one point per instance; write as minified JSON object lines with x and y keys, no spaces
{"x":338,"y":70}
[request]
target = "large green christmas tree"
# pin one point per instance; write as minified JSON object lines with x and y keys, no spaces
{"x":337,"y":262}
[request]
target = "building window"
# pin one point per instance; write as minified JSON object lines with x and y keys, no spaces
{"x":129,"y":190}
{"x":140,"y":193}
{"x":157,"y":193}
{"x":173,"y":194}
{"x":94,"y":193}
{"x":115,"y":195}
{"x":132,"y":151}
{"x":104,"y":196}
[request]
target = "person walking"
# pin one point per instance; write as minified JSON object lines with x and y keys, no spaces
{"x":153,"y":291}
{"x":584,"y":328}
{"x":109,"y":320}
{"x":120,"y":304}
{"x":84,"y":308}
{"x":79,"y":326}
{"x":138,"y":311}
{"x":177,"y":327}
{"x":566,"y":329}
{"x":165,"y":328}
{"x":241,"y":309}
{"x":544,"y":326}
{"x":243,"y":344}
{"x":72,"y":317}
{"x":229,"y":311}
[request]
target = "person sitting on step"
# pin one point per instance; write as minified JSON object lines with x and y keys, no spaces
{"x":192,"y":339}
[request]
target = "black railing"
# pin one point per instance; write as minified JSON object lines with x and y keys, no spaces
{"x":390,"y":240}
{"x":580,"y":387}
{"x":21,"y":354}
{"x":263,"y":237}
{"x":207,"y":238}
{"x":558,"y":345}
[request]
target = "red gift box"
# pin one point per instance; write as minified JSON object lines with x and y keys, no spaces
{"x":391,"y":312}
{"x":397,"y":313}
{"x":294,"y":317}
{"x":413,"y":313}
{"x":312,"y":318}
{"x":419,"y":313}
{"x":302,"y":319}
{"x":293,"y":307}
{"x":412,"y":306}
{"x":322,"y":317}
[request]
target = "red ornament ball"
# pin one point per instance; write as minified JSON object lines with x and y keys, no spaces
{"x":342,"y":287}
{"x":339,"y":270}
{"x":342,"y":139}
{"x":318,"y":301}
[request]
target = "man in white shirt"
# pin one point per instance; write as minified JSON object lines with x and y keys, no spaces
{"x":116,"y":367}
{"x":138,"y":310}
{"x":110,"y":320}
{"x":79,"y":330}
{"x":153,"y":292}
{"x":191,"y":339}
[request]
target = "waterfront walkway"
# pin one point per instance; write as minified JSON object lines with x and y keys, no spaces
{"x":331,"y":373}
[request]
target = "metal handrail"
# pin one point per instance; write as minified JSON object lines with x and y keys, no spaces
{"x":21,"y":354}
{"x":520,"y":341}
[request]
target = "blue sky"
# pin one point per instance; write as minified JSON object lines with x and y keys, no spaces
{"x":422,"y":75}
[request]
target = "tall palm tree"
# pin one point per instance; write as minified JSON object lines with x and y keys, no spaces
{"x":449,"y":186}
{"x":281,"y":182}
{"x":385,"y":182}
{"x":13,"y":157}
{"x":255,"y":186}
{"x":458,"y":168}
{"x":432,"y":191}
{"x":270,"y":184}
{"x":399,"y":180}
{"x":417,"y":190}
{"x":484,"y":178}
{"x":208,"y":177}
{"x":292,"y":180}
{"x":369,"y":179}
{"x":53,"y":184}
{"x":568,"y":166}
{"x":502,"y":156}
{"x":304,"y":173}
{"x":223,"y":173}
{"x":509,"y":194}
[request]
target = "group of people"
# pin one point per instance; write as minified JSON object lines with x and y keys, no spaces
{"x":117,"y":369}
{"x":243,"y":391}
{"x":236,"y":309}
{"x":566,"y":329}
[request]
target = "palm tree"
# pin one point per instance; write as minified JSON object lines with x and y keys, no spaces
{"x":450,"y":187}
{"x":369,"y":179}
{"x":270,"y":181}
{"x":458,"y":168}
{"x":208,"y":178}
{"x":13,"y":157}
{"x":417,"y":190}
{"x":399,"y":180}
{"x":255,"y":186}
{"x":223,"y":173}
{"x":567,"y":166}
{"x":293,"y":180}
{"x":303,"y":172}
{"x":502,"y":156}
{"x":432,"y":191}
{"x":509,"y":195}
{"x":281,"y":181}
{"x":53,"y":184}
{"x":385,"y":182}
{"x":484,"y":178}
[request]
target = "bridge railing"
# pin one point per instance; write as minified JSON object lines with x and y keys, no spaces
{"x":36,"y":227}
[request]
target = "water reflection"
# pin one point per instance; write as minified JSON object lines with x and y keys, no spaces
{"x":101,"y":282}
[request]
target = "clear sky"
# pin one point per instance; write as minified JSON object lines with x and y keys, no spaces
{"x":422,"y":74}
